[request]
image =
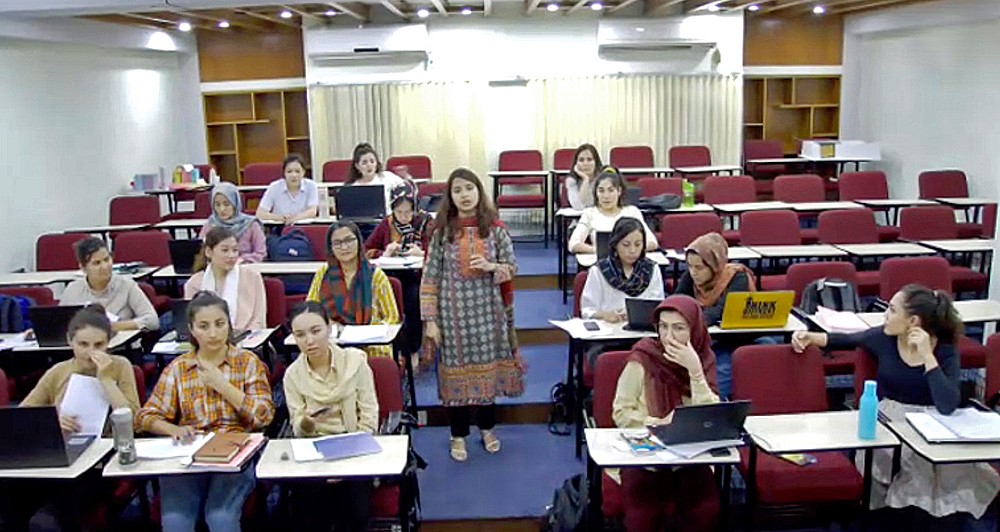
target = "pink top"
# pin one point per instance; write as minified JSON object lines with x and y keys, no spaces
{"x":253,"y":244}
{"x":251,"y":307}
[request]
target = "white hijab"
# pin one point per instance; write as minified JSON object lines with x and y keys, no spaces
{"x":230,"y":291}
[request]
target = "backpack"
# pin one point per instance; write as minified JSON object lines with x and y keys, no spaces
{"x":14,"y":314}
{"x":559,"y":410}
{"x":834,"y":294}
{"x":292,"y":246}
{"x":568,"y":511}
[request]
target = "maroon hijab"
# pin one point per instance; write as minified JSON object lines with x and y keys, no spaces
{"x":667,"y":382}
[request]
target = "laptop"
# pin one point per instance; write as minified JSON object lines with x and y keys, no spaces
{"x":757,"y":310}
{"x":178,"y":311}
{"x":702,"y":423}
{"x":32,"y":438}
{"x":602,"y":244}
{"x":361,"y":202}
{"x":50,"y":324}
{"x":640,"y":313}
{"x":183,"y":253}
{"x":632,"y":195}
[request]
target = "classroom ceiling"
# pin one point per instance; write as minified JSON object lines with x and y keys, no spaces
{"x":254,"y":15}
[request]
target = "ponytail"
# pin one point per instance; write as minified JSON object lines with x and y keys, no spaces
{"x":936,"y":311}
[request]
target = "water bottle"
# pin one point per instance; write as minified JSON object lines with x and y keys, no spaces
{"x":121,"y":425}
{"x":324,"y":202}
{"x":688,"y":189}
{"x":868,"y":412}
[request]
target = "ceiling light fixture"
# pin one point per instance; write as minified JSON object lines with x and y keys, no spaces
{"x":286,"y":14}
{"x":184,"y":26}
{"x":713,"y":8}
{"x":223,"y":24}
{"x":330,"y":13}
{"x":552,"y":8}
{"x":596,"y":6}
{"x":640,"y":29}
{"x":819,"y":10}
{"x":423,"y":12}
{"x":466,"y":11}
{"x":754,"y":7}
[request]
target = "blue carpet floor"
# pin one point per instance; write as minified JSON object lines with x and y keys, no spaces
{"x":546,"y":366}
{"x":516,"y":482}
{"x":534,"y":308}
{"x":534,"y":259}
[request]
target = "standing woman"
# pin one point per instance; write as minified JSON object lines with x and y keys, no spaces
{"x":227,"y":211}
{"x":580,"y":181}
{"x":609,"y":197}
{"x":467,"y":304}
{"x":353,"y":291}
{"x":366,"y":169}
{"x":221,"y":273}
{"x":214,"y":388}
{"x":290,"y":199}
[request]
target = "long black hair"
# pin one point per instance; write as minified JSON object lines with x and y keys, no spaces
{"x":94,"y":316}
{"x":353,"y":174}
{"x":576,"y":155}
{"x":308,"y":307}
{"x":446,"y":220}
{"x":610,"y":173}
{"x":936,"y":311}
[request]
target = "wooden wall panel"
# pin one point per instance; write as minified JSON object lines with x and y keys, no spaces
{"x":793,"y":40}
{"x":244,"y":55}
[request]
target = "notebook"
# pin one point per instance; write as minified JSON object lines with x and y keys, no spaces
{"x":347,"y":445}
{"x":222,"y":448}
{"x":966,"y":425}
{"x":757,"y":310}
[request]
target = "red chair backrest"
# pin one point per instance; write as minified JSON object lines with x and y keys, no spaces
{"x":140,"y":383}
{"x":652,"y":186}
{"x":317,"y":237}
{"x":608,"y":368}
{"x":126,"y":210}
{"x":943,"y":184}
{"x":801,"y":274}
{"x":262,"y":173}
{"x":274,"y":291}
{"x":397,"y":294}
{"x":520,"y":160}
{"x":432,"y":189}
{"x":762,"y":149}
{"x":55,"y":251}
{"x":865,"y":368}
{"x":927,"y":223}
{"x":203,"y":205}
{"x":848,"y":226}
{"x":388,"y":388}
{"x":336,"y":171}
{"x":205,"y":170}
{"x":5,"y":389}
{"x":632,"y":157}
{"x":770,"y":228}
{"x":731,"y":189}
{"x":792,"y":383}
{"x":989,"y":220}
{"x":419,"y":166}
{"x":148,"y":291}
{"x":579,"y":282}
{"x":992,"y":366}
{"x":678,"y":230}
{"x":41,"y":295}
{"x":799,"y":188}
{"x":862,"y":185}
{"x":151,"y":247}
{"x":897,"y":272}
{"x":681,"y":156}
{"x":562,"y":159}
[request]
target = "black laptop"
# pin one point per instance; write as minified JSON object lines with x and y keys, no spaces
{"x":632,"y":196}
{"x":183,"y":253}
{"x":178,"y":311}
{"x":640,"y":313}
{"x":50,"y":324}
{"x":602,"y":244}
{"x":698,"y":423}
{"x":32,"y":438}
{"x":361,"y":202}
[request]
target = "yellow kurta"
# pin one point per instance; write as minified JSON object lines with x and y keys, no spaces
{"x":384,"y":310}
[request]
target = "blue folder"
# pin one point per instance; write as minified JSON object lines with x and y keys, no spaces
{"x":347,"y":446}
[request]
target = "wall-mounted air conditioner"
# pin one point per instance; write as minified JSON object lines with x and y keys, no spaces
{"x":398,"y":44}
{"x":648,"y":40}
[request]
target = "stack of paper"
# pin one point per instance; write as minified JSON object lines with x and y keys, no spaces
{"x":359,"y":334}
{"x":162,"y":448}
{"x":837,"y":321}
{"x":964,"y":424}
{"x":397,"y":261}
{"x":84,"y":400}
{"x":17,"y":340}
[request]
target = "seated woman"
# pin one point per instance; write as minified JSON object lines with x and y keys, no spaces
{"x":227,"y":211}
{"x":366,"y":169}
{"x":353,"y":291}
{"x":118,"y":294}
{"x":88,"y":334}
{"x":329,"y":390}
{"x":290,"y":199}
{"x":677,"y":368}
{"x":405,"y":232}
{"x":214,"y":388}
{"x":609,"y":197}
{"x":918,"y":364}
{"x":219,"y":271}
{"x":580,"y":181}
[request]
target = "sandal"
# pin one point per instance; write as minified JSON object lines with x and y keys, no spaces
{"x":458,"y":452}
{"x":490,"y":441}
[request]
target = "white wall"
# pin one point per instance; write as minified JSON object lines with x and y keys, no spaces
{"x":78,"y":122}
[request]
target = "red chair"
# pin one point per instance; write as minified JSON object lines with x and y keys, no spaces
{"x":336,"y":171}
{"x":274,"y":291}
{"x":389,"y":392}
{"x":793,"y":384}
{"x":801,"y":188}
{"x":562,"y":159}
{"x":317,"y":237}
{"x":948,"y":184}
{"x":852,"y":226}
{"x":160,"y":302}
{"x":262,"y":173}
{"x":799,"y":276}
{"x":6,"y":389}
{"x":992,"y":366}
{"x":608,"y":368}
{"x":763,"y":173}
{"x":684,"y":156}
{"x":729,"y":189}
{"x":853,"y":186}
{"x":632,"y":157}
{"x":127,"y":210}
{"x":769,"y":228}
{"x":435,"y":188}
{"x":653,"y":186}
{"x":151,"y":247}
{"x":678,"y":230}
{"x":55,"y":252}
{"x":989,"y":225}
{"x":41,"y":295}
{"x":522,"y":161}
{"x":938,"y":223}
{"x":419,"y":166}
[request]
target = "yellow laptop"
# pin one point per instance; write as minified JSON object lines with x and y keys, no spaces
{"x":757,"y":310}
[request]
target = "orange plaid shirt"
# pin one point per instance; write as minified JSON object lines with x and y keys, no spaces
{"x":181,"y":398}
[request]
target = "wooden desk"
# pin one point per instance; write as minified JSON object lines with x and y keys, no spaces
{"x":885,"y":250}
{"x":968,"y":245}
{"x":970,"y":311}
{"x":96,"y":452}
{"x":392,"y":332}
{"x":972,"y":207}
{"x":171,"y":194}
{"x":392,"y":264}
{"x":823,"y":206}
{"x":191,"y":225}
{"x":943,"y":453}
{"x":390,"y":462}
{"x":737,"y":253}
{"x":732,"y":169}
{"x":119,"y":340}
{"x":655,"y":171}
{"x":740,"y":208}
{"x":166,"y":467}
{"x":167,"y":344}
{"x":287,"y":268}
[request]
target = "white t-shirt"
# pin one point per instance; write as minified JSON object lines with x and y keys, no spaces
{"x":593,"y":220}
{"x":389,"y":181}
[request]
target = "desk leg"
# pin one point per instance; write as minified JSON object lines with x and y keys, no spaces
{"x":595,"y":517}
{"x":578,"y":394}
{"x":751,"y":493}
{"x":563,"y":258}
{"x":866,"y":491}
{"x":407,"y":370}
{"x":724,"y":502}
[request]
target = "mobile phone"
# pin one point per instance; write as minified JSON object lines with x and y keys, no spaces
{"x":591,"y":326}
{"x":719,"y":452}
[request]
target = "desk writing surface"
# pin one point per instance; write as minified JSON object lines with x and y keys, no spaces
{"x":587,"y":260}
{"x":735,"y":253}
{"x":645,"y":170}
{"x":885,"y":249}
{"x":106,"y":228}
{"x":965,"y":202}
{"x":392,"y":331}
{"x":569,"y":212}
{"x":736,"y":208}
{"x":839,"y":159}
{"x":287,"y":268}
{"x":943,"y":453}
{"x":825,"y":206}
{"x":171,"y":466}
{"x":167,"y":272}
{"x":121,"y":338}
{"x":791,"y":325}
{"x":520,"y":173}
{"x":37,"y":278}
{"x":97,"y":450}
{"x":707,"y":169}
{"x":809,"y":250}
{"x":894,"y":202}
{"x":970,"y":311}
{"x":778,"y":160}
{"x":611,"y":331}
{"x":966,"y":245}
{"x":188,"y":223}
{"x":604,"y":450}
{"x":389,"y":462}
{"x":816,"y":431}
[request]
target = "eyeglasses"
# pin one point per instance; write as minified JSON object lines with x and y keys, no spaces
{"x":345,"y":243}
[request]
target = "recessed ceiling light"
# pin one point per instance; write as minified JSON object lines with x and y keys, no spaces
{"x":754,"y":7}
{"x":552,"y":7}
{"x":330,"y":13}
{"x":286,"y":14}
{"x":819,"y":10}
{"x":184,"y":26}
{"x":223,"y":24}
{"x":596,"y":6}
{"x":640,"y":29}
{"x":713,"y":8}
{"x":466,"y":11}
{"x":423,"y":12}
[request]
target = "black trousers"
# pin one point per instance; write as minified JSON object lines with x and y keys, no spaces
{"x":344,"y":506}
{"x":461,"y":418}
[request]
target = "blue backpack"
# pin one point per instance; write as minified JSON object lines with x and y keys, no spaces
{"x":292,"y":246}
{"x":14,"y":314}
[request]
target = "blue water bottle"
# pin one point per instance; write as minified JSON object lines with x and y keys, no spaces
{"x":868,"y":412}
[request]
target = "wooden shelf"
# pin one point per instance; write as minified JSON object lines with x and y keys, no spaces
{"x":825,"y":134}
{"x":790,"y":108}
{"x":807,"y":105}
{"x":754,"y":124}
{"x":302,"y":137}
{"x":238,"y":123}
{"x":222,"y":152}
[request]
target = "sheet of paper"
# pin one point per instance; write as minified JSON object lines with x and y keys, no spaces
{"x":397,"y":261}
{"x":84,"y":399}
{"x":17,"y":340}
{"x":169,"y":348}
{"x":688,"y":450}
{"x":928,"y":427}
{"x":163,"y":448}
{"x":304,"y":450}
{"x":970,"y":423}
{"x":356,"y":334}
{"x":836,"y":321}
{"x":576,"y":328}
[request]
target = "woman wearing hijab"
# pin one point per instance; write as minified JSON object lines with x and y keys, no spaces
{"x":405,"y":232}
{"x":227,"y":211}
{"x":676,"y":368}
{"x":353,"y":291}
